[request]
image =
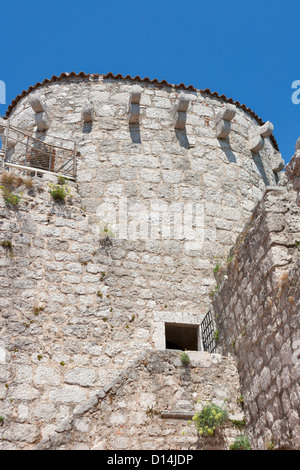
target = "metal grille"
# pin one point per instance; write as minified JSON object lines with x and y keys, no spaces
{"x":208,"y":333}
{"x":57,"y":155}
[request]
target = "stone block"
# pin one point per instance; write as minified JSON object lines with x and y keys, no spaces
{"x":180,"y":111}
{"x":80,"y":376}
{"x":46,"y":376}
{"x":256,"y":144}
{"x":42,"y":121}
{"x":68,"y":394}
{"x":226,"y":114}
{"x":37,"y":105}
{"x":87,"y":114}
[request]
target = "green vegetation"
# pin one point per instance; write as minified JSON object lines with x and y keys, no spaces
{"x":216,"y":269}
{"x":213,"y":291}
{"x":7,"y":244}
{"x":10,"y":199}
{"x":61,"y":190}
{"x":270,"y":445}
{"x":239,"y":424}
{"x":241,"y":443}
{"x":216,"y":336}
{"x":37,"y":310}
{"x":185,"y":358}
{"x":240,"y":400}
{"x":229,"y":259}
{"x":209,"y":419}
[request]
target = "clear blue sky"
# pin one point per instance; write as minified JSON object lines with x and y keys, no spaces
{"x":247,"y":50}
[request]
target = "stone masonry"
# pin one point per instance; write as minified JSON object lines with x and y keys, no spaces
{"x":257,"y":312}
{"x":182,"y":169}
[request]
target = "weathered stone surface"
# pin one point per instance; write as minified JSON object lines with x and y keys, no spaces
{"x":263,"y":274}
{"x":140,"y":401}
{"x":77,"y":308}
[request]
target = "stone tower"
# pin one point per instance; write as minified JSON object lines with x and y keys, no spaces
{"x":163,"y":179}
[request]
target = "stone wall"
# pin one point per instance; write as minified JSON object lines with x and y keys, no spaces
{"x":158,"y":172}
{"x":257,"y":313}
{"x":62,"y":343}
{"x":76,"y":312}
{"x":133,"y":412}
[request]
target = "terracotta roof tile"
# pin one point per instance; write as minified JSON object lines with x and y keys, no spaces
{"x":137,"y":78}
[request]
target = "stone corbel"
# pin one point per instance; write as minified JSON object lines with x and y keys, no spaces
{"x":41,"y":116}
{"x":257,"y":137}
{"x":223,"y":121}
{"x":277,"y":162}
{"x":180,"y":111}
{"x":134,"y":105}
{"x":87,"y":113}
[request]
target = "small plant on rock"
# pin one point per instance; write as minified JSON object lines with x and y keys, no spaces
{"x":216,"y":336}
{"x":61,"y":190}
{"x":7,"y":244}
{"x":185,"y":358}
{"x":241,"y":443}
{"x":209,"y":419}
{"x":217,"y":268}
{"x":10,"y":199}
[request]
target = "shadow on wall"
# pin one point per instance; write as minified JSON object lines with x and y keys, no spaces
{"x":135,"y":134}
{"x":259,"y":165}
{"x":87,"y":127}
{"x":225,"y":147}
{"x":182,"y":138}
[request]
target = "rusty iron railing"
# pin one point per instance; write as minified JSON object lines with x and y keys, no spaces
{"x":20,"y":149}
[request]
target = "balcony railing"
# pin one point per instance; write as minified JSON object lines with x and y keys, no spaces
{"x":20,"y":149}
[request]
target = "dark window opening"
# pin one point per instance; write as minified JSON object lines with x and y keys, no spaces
{"x":181,"y":337}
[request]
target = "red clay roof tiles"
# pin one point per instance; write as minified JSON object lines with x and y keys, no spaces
{"x":137,"y":78}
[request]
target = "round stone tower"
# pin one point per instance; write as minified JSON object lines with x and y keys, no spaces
{"x":165,"y":178}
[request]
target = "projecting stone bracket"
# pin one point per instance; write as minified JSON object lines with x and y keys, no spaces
{"x":277,"y":162}
{"x":87,"y":113}
{"x":223,"y":121}
{"x":180,"y":111}
{"x":41,"y":116}
{"x":134,"y":105}
{"x":257,"y":137}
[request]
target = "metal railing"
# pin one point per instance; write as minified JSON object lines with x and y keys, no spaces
{"x":208,"y":333}
{"x":21,"y":150}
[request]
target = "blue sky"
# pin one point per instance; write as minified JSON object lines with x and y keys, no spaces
{"x":248,"y":51}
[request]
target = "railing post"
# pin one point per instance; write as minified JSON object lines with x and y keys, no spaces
{"x":6,"y":141}
{"x":75,"y":161}
{"x":26,"y":151}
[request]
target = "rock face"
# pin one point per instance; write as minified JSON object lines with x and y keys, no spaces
{"x":166,"y":180}
{"x":293,"y":171}
{"x":257,"y":312}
